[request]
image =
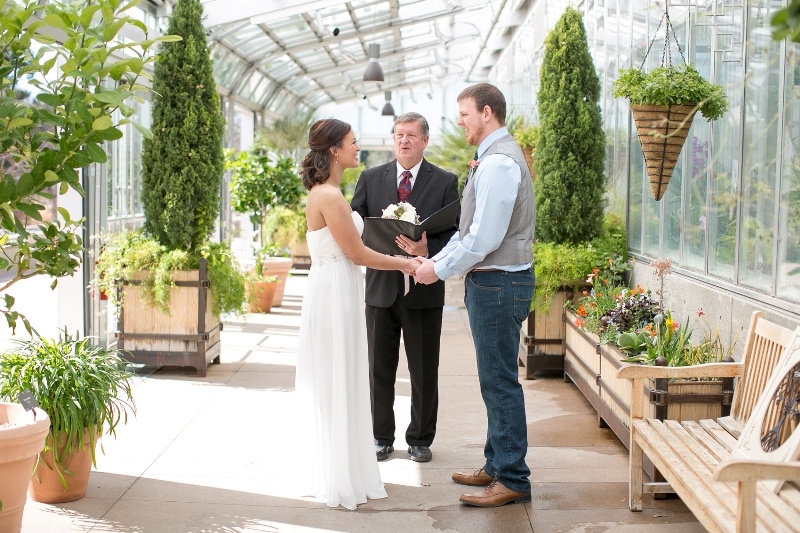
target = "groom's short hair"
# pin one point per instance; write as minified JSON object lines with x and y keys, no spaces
{"x":484,"y":94}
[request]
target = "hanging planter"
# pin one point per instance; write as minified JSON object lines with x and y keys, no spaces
{"x":663,"y":102}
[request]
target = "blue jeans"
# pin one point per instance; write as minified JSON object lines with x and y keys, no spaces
{"x":497,"y":303}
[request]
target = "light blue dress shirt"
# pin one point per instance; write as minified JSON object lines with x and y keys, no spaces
{"x":496,"y":180}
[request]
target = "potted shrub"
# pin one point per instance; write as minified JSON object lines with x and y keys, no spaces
{"x":261,"y":289}
{"x":85,"y":388}
{"x":258,"y":186}
{"x":570,"y":184}
{"x":182,"y":167}
{"x":663,"y":102}
{"x":45,"y":140}
{"x":22,"y":437}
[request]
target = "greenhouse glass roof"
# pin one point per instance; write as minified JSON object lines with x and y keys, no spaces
{"x":282,"y":55}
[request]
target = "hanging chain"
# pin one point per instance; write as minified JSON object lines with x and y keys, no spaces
{"x":666,"y":56}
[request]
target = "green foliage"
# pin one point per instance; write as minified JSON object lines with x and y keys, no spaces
{"x":258,"y":185}
{"x":81,"y":386}
{"x":786,"y":22}
{"x":527,"y":136}
{"x":287,"y":136}
{"x":78,"y":108}
{"x":286,"y":227}
{"x":349,"y":179}
{"x":182,"y":163}
{"x":558,"y":266}
{"x":570,"y":152}
{"x":669,"y":84}
{"x":126,"y":254}
{"x":452,"y":153}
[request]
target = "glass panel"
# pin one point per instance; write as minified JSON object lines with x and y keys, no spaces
{"x":725,"y":165}
{"x":695,"y":215}
{"x":759,"y":167}
{"x":789,"y":229}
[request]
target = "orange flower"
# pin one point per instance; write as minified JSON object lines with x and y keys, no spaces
{"x":586,"y":293}
{"x":579,"y":323}
{"x":582,"y":311}
{"x":592,"y":305}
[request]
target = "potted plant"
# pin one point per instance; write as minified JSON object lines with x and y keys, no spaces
{"x":261,"y":289}
{"x":86,"y":390}
{"x":663,"y":102}
{"x":182,"y":167}
{"x":258,"y":186}
{"x":22,"y":437}
{"x":46,"y":140}
{"x":570,"y":185}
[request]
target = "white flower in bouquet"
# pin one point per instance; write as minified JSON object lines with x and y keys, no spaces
{"x":401,"y":211}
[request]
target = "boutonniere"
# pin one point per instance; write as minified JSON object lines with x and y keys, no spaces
{"x":474,"y":163}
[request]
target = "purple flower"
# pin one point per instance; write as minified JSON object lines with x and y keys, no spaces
{"x":703,"y":222}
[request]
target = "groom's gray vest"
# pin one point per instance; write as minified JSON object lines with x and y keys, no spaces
{"x":516,"y":246}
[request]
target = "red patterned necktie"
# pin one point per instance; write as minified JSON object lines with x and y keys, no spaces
{"x":404,"y":189}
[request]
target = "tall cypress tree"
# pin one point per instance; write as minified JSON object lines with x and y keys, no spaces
{"x":570,"y":153}
{"x":183,"y":162}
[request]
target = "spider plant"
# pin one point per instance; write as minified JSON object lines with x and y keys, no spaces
{"x":83,"y":387}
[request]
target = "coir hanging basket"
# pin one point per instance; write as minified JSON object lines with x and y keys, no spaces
{"x":662,"y":132}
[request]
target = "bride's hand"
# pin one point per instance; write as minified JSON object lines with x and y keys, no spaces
{"x":411,"y":267}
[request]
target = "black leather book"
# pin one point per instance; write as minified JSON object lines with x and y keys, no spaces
{"x":380,"y":233}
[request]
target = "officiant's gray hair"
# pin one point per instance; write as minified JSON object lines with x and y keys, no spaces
{"x":408,"y":118}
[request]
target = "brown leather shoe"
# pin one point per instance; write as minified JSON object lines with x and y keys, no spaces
{"x":478,"y":478}
{"x":495,"y":495}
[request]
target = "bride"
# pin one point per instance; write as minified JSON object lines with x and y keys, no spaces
{"x":332,"y":379}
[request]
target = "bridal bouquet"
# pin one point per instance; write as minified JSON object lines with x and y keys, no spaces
{"x":401,"y":211}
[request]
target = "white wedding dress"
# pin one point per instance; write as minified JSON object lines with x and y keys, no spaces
{"x":332,"y":381}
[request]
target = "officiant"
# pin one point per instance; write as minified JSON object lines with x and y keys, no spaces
{"x":390,"y":310}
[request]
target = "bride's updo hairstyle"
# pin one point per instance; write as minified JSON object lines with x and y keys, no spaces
{"x":324,"y":134}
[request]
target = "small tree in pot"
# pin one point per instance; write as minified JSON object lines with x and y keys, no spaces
{"x":181,"y":184}
{"x":259,"y":185}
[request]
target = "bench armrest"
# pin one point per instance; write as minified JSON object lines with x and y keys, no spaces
{"x":756,"y":470}
{"x":708,"y":370}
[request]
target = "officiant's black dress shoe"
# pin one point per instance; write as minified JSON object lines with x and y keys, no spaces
{"x":382,"y":451}
{"x":420,"y":454}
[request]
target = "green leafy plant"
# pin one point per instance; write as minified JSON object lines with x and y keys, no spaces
{"x":126,"y":254}
{"x":570,"y":152}
{"x":82,"y":386}
{"x":559,"y":266}
{"x":83,"y":84}
{"x":786,"y":22}
{"x":670,"y":84}
{"x":526,"y":136}
{"x":259,"y":185}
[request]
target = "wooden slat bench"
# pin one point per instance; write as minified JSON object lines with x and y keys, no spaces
{"x":713,"y":465}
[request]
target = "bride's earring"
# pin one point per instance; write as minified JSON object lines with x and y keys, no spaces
{"x":337,"y":159}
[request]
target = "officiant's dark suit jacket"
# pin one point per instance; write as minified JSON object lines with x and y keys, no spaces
{"x":418,"y":315}
{"x":433,"y":189}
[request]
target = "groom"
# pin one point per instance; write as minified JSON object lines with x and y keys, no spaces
{"x":494,"y":250}
{"x":389,"y":311}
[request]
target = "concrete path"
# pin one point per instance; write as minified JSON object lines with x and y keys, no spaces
{"x":215,"y":454}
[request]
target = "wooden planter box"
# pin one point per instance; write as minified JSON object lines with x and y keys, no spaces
{"x":189,"y":335}
{"x":542,"y":338}
{"x":593,"y":368}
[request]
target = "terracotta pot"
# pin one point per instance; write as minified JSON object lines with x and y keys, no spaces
{"x":262,"y":294}
{"x":46,"y":485}
{"x":277,"y":266}
{"x":21,"y":439}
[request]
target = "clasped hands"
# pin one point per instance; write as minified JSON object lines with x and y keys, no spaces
{"x":419,"y":266}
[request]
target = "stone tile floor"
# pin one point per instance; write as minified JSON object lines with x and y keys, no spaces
{"x":215,"y":454}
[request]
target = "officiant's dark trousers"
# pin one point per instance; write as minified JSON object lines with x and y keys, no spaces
{"x":421,"y":331}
